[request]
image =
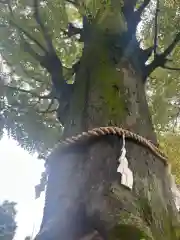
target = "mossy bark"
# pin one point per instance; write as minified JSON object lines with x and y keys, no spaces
{"x":80,"y":193}
{"x":106,"y":94}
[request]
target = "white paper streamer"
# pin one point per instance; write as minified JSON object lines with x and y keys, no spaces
{"x":126,"y":173}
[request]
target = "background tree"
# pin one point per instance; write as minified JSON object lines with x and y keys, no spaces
{"x":27,"y":238}
{"x":7,"y":220}
{"x":81,"y":61}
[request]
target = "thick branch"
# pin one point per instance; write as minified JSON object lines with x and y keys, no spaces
{"x":11,"y":66}
{"x":45,"y":61}
{"x":30,"y":50}
{"x":54,"y":67}
{"x":156,"y":28}
{"x":27,"y":46}
{"x":72,"y":30}
{"x":51,"y":61}
{"x":76,"y":66}
{"x":171,"y":68}
{"x":49,"y":110}
{"x":49,"y":96}
{"x":132,"y":17}
{"x":75,"y":3}
{"x":43,"y":28}
{"x":130,"y":3}
{"x":8,"y":3}
{"x":27,"y":35}
{"x":161,"y":59}
{"x":29,"y":75}
{"x":138,"y":13}
{"x":142,"y":7}
{"x":171,"y":46}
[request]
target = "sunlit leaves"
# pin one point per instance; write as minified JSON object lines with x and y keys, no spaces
{"x":23,"y":117}
{"x":170,"y":145}
{"x":164,"y":98}
{"x":54,"y":17}
{"x":23,"y":111}
{"x":27,"y":117}
{"x":74,"y":14}
{"x":164,"y":84}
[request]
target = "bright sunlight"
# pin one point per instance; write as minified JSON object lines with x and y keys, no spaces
{"x":19,"y":173}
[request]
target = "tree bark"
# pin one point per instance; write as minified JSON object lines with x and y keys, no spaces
{"x":84,"y":192}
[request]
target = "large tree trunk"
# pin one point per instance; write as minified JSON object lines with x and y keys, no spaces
{"x":84,"y":192}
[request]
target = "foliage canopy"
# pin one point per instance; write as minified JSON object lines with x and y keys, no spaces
{"x":35,"y":34}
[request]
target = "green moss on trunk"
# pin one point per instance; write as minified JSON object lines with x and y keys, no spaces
{"x":154,"y":218}
{"x":107,"y":94}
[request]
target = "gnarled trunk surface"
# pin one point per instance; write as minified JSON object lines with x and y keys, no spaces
{"x":84,"y":192}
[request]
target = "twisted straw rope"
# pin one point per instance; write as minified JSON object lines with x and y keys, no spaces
{"x":120,"y":132}
{"x":102,"y":131}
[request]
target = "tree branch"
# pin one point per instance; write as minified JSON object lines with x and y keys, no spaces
{"x":161,"y":59}
{"x":71,"y":71}
{"x":171,"y":46}
{"x":49,"y":96}
{"x":171,"y":68}
{"x":27,"y":35}
{"x":30,"y":50}
{"x":132,"y":17}
{"x":29,"y":75}
{"x":156,"y":28}
{"x":49,"y":110}
{"x":129,"y":13}
{"x":72,"y":30}
{"x":76,"y":66}
{"x":8,"y":3}
{"x":138,"y":13}
{"x":27,"y":47}
{"x":142,"y":7}
{"x":50,"y":61}
{"x":75,"y":3}
{"x":43,"y":28}
{"x":11,"y":66}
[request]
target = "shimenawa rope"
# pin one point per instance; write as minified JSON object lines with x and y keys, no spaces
{"x":102,"y":131}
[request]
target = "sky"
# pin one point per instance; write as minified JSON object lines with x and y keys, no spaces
{"x":19,"y":173}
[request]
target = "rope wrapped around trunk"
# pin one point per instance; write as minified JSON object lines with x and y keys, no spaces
{"x":95,"y":133}
{"x":103,"y":131}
